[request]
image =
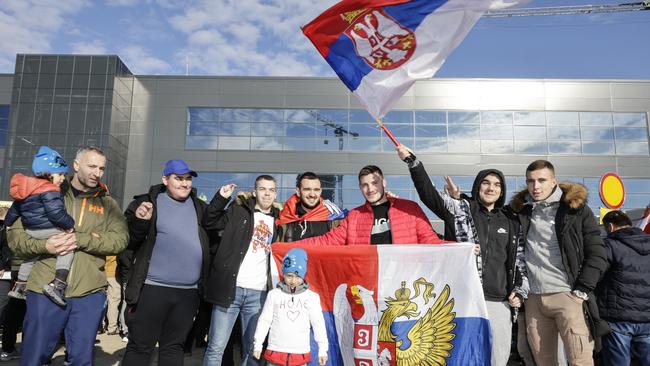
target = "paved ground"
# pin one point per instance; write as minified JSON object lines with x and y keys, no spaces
{"x":109,"y":352}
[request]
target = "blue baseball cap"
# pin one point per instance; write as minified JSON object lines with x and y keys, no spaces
{"x":178,"y":167}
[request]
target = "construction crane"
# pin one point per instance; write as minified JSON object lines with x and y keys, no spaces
{"x":568,"y":10}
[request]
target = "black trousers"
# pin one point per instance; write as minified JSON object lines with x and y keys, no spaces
{"x":163,"y":315}
{"x":13,"y":320}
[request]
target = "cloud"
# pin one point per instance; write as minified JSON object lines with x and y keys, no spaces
{"x":29,"y":26}
{"x":140,"y":62}
{"x":89,"y":48}
{"x":249,"y":37}
{"x":122,"y":2}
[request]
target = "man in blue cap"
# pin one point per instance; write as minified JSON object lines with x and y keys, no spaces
{"x":169,"y":261}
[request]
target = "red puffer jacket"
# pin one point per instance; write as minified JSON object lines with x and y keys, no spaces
{"x":408,"y":223}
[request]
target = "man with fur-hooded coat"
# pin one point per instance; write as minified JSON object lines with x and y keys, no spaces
{"x":565,"y":258}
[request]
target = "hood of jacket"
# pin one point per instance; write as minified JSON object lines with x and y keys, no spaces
{"x":633,"y":238}
{"x":574,"y":195}
{"x":477,"y":185}
{"x":22,"y":186}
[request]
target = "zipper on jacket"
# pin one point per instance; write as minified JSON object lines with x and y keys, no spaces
{"x":287,"y":361}
{"x":81,"y":214}
{"x":487,"y":247}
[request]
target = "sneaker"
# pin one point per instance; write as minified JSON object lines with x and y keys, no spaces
{"x":125,"y":337}
{"x":18,"y":292}
{"x":8,"y":356}
{"x":55,"y":290}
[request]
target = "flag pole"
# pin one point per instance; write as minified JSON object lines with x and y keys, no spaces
{"x":387,"y":131}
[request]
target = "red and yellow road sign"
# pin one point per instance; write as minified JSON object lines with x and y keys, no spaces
{"x":612,"y":190}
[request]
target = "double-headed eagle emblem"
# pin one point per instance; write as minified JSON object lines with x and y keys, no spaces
{"x":397,"y":336}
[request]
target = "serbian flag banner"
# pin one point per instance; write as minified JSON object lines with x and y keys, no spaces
{"x":406,"y":305}
{"x":380,"y":47}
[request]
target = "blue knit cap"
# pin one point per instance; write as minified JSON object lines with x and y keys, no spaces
{"x":295,"y":261}
{"x":48,"y":161}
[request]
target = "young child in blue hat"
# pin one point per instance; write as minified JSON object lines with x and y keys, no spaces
{"x":39,"y":205}
{"x":289,"y":312}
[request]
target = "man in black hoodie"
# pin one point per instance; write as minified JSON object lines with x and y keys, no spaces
{"x":623,"y":295}
{"x":482,"y":219}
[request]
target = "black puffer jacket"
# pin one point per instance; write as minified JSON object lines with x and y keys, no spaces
{"x":237,"y":224}
{"x":624,"y":292}
{"x":583,"y":251}
{"x":498,"y":231}
{"x":142,"y":237}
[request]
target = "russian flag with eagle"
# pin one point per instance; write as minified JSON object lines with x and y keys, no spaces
{"x":405,"y":305}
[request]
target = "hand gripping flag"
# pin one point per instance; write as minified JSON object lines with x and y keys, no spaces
{"x":405,"y":305}
{"x":380,"y":47}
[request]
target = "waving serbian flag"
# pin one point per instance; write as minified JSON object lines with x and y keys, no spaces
{"x":405,"y":305}
{"x":380,"y":47}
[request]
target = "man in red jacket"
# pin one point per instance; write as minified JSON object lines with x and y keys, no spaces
{"x":381,"y":220}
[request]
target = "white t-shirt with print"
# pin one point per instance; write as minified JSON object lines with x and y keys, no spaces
{"x":253,"y":272}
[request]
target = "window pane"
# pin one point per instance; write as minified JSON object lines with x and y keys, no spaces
{"x":267,"y":129}
{"x":267,"y":115}
{"x":637,"y":185}
{"x":530,"y":133}
{"x":430,"y":131}
{"x":398,"y":117}
{"x":332,"y":115}
{"x":300,"y":130}
{"x":234,"y":143}
{"x":564,"y":147}
{"x":497,"y":146}
{"x":388,"y":146}
{"x":357,"y":115}
{"x":496,"y":118}
{"x":597,"y":133}
{"x":431,"y":145}
{"x":464,"y":132}
{"x":332,"y":143}
{"x":630,"y":119}
{"x":203,"y":128}
{"x":299,"y":144}
{"x":631,"y":148}
{"x":234,"y":129}
{"x":598,"y":148}
{"x":563,"y":133}
{"x":595,"y":119}
{"x":531,"y":147}
{"x":433,"y":117}
{"x":401,"y":130}
{"x":464,"y":118}
{"x":235,"y":115}
{"x":266,"y":143}
{"x":494,"y":132}
{"x":300,"y":115}
{"x":530,"y":118}
{"x":626,"y":133}
{"x":636,"y":200}
{"x":467,"y":146}
{"x":334,"y":130}
{"x":365,"y":144}
{"x":201,"y":142}
{"x":562,"y":118}
{"x":365,"y":130}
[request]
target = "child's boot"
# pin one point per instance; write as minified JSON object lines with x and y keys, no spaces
{"x":55,"y":290}
{"x":18,"y":292}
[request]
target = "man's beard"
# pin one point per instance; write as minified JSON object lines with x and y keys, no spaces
{"x":307,"y":206}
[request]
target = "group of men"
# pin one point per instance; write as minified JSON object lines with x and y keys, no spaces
{"x":543,"y":250}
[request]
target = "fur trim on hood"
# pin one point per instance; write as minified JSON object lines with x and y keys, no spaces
{"x":574,"y":195}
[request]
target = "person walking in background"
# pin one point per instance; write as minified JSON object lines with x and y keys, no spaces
{"x":39,"y":206}
{"x":624,"y":292}
{"x":112,"y":297}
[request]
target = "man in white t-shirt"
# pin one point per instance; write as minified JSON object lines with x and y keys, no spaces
{"x":239,"y":276}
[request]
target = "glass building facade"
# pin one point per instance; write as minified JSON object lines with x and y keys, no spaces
{"x":67,"y":102}
{"x":231,"y":129}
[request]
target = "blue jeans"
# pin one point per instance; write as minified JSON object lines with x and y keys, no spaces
{"x":627,"y":340}
{"x":247,"y":303}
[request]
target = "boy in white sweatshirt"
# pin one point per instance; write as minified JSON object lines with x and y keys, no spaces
{"x":289,"y":311}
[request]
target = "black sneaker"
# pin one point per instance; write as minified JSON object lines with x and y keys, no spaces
{"x":55,"y":290}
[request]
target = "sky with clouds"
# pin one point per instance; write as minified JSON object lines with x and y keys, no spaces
{"x":263,"y":37}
